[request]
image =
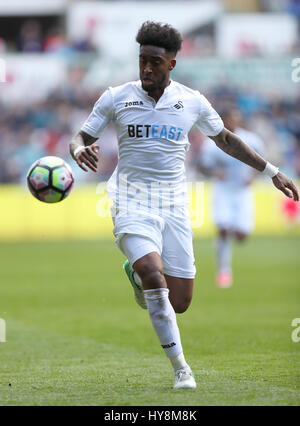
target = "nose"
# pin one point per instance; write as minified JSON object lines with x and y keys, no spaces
{"x":147,"y":68}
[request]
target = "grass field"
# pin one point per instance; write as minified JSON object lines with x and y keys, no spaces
{"x":76,"y":337}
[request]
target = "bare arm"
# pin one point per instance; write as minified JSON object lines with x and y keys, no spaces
{"x":234,"y":146}
{"x":86,"y":155}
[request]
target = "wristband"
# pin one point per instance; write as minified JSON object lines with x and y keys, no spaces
{"x":77,"y":150}
{"x":270,"y":170}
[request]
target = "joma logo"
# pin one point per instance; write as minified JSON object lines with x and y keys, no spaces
{"x":133,"y":103}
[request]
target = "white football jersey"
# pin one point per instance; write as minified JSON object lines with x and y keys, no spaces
{"x":152,"y":137}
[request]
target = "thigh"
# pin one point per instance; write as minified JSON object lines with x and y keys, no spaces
{"x":135,"y":247}
{"x":222,"y":208}
{"x":147,"y":230}
{"x":177,"y":248}
{"x":244,"y":213}
{"x":144,"y":256}
{"x":180,"y":292}
{"x":150,"y":270}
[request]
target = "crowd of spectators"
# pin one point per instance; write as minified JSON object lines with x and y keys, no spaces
{"x":31,"y":131}
{"x":33,"y":38}
{"x":28,"y":132}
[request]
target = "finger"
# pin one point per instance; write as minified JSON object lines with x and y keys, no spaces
{"x":294,"y":191}
{"x":95,"y":149}
{"x":90,"y":157}
{"x":92,"y":154}
{"x":86,"y":157}
{"x":286,"y":192}
{"x":81,"y":165}
{"x":90,"y":165}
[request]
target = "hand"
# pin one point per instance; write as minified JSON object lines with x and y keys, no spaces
{"x":284,"y":184}
{"x":88,"y":156}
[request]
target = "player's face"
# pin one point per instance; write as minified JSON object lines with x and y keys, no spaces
{"x":155,"y":67}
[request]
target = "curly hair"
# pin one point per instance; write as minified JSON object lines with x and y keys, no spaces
{"x":160,"y":35}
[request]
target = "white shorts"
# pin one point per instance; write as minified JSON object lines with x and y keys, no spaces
{"x":233,"y":210}
{"x":170,"y":237}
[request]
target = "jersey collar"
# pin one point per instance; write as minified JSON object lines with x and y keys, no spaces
{"x":167,"y":89}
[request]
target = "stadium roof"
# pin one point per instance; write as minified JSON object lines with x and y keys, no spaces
{"x":32,"y":7}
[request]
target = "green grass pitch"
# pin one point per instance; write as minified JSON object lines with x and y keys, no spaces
{"x":75,"y":336}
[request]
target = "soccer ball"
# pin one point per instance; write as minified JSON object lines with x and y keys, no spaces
{"x":50,"y":179}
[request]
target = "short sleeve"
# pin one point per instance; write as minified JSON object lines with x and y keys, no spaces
{"x":100,"y":116}
{"x":209,"y":122}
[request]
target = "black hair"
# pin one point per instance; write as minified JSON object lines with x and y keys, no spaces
{"x":159,"y":35}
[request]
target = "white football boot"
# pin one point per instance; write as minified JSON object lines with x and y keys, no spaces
{"x":137,"y":286}
{"x":184,"y":379}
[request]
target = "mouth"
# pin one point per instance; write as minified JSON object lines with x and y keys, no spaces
{"x":147,"y":80}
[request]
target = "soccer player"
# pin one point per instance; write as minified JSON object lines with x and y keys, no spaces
{"x":232,"y":197}
{"x":152,"y":117}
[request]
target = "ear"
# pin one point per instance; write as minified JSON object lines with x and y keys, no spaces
{"x":172,"y":64}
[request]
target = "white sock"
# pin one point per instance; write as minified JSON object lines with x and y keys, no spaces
{"x":163,"y":319}
{"x":224,"y":254}
{"x":178,"y":362}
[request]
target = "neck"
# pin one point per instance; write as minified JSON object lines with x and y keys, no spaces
{"x":156,"y":94}
{"x":158,"y":91}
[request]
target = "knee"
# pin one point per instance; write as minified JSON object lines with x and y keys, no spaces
{"x":153,"y":278}
{"x":180,"y":306}
{"x":240,"y":236}
{"x":223,"y":233}
{"x":150,"y":274}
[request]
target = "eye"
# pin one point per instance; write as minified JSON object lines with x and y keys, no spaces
{"x":156,"y":62}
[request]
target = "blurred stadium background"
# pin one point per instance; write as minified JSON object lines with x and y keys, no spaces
{"x":58,"y":56}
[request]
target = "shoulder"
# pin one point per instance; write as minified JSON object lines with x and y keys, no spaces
{"x":195,"y":99}
{"x":185,"y":91}
{"x":112,"y":95}
{"x":124,"y":89}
